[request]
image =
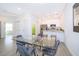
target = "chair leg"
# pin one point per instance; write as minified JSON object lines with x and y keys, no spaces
{"x":16,"y":50}
{"x":34,"y":53}
{"x":43,"y":54}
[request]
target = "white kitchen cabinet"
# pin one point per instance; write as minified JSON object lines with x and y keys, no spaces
{"x":59,"y":34}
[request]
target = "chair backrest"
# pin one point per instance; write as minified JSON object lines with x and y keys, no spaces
{"x":19,"y":36}
{"x":21,"y":43}
{"x":47,"y":41}
{"x":22,"y":49}
{"x":52,"y":51}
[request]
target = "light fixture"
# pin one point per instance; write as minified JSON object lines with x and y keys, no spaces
{"x":18,"y":8}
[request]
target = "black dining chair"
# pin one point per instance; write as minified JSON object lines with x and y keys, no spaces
{"x":21,"y":43}
{"x":19,"y":36}
{"x":25,"y":51}
{"x":51,"y":51}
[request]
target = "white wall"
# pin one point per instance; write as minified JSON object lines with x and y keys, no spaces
{"x":25,"y":26}
{"x":53,"y":21}
{"x":71,"y":38}
{"x":49,"y":18}
{"x":52,"y":18}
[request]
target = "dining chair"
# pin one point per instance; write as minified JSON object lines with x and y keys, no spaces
{"x":25,"y":51}
{"x":48,"y":41}
{"x":21,"y":43}
{"x":50,"y":51}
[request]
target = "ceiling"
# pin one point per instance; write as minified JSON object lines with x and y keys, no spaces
{"x":24,"y":8}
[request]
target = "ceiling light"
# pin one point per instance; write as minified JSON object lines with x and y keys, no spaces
{"x":18,"y":8}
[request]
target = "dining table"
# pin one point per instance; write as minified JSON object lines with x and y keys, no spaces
{"x":38,"y":43}
{"x":41,"y":43}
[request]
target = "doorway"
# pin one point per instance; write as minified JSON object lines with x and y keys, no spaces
{"x":8,"y":30}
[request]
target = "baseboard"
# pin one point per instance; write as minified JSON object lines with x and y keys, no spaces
{"x":70,"y":50}
{"x":2,"y":38}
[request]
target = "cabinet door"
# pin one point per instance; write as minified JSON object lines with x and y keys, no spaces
{"x":60,"y":36}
